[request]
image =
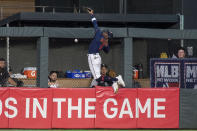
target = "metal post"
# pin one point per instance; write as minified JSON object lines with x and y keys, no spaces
{"x":79,"y":7}
{"x":42,"y":62}
{"x":181,"y":26}
{"x":121,"y":3}
{"x":8,"y":50}
{"x":53,"y":10}
{"x":128,"y":61}
{"x":43,"y":9}
{"x":125,"y":7}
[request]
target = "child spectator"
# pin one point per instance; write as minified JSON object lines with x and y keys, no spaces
{"x":52,"y":81}
{"x":104,"y":79}
{"x":109,"y":79}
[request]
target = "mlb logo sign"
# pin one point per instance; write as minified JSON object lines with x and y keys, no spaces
{"x":190,"y":75}
{"x":180,"y":73}
{"x":165,"y":73}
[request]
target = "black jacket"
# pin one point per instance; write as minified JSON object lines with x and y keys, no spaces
{"x":106,"y":80}
{"x":4,"y":75}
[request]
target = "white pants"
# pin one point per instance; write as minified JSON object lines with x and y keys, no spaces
{"x":94,"y":61}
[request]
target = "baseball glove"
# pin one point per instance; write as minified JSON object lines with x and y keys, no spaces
{"x":112,"y":73}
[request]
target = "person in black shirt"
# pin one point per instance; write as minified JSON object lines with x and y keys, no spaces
{"x":4,"y":75}
{"x":106,"y":80}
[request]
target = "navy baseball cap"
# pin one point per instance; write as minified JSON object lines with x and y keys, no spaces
{"x":104,"y":65}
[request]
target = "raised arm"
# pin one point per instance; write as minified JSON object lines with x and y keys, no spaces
{"x":93,"y":19}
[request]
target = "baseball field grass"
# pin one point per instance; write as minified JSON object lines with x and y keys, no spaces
{"x":89,"y":130}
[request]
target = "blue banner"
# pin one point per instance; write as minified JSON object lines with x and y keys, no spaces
{"x":190,"y":74}
{"x":167,"y":73}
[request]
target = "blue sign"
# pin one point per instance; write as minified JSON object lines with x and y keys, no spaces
{"x":190,"y":75}
{"x":180,"y":73}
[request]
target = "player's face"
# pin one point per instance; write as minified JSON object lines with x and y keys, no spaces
{"x":53,"y":76}
{"x":2,"y":64}
{"x":103,"y":70}
{"x":105,"y":35}
{"x":181,"y":54}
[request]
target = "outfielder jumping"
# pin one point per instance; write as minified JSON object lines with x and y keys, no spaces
{"x":100,"y":42}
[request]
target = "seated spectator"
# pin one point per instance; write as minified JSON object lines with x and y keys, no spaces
{"x":4,"y":75}
{"x":105,"y":79}
{"x":109,"y":79}
{"x":18,"y":82}
{"x":181,"y":53}
{"x":52,"y":81}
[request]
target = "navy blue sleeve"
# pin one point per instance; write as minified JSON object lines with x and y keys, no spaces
{"x":93,"y":19}
{"x":106,"y":49}
{"x":110,"y":79}
{"x":99,"y":79}
{"x":114,"y":79}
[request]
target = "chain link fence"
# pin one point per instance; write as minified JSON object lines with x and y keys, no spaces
{"x":144,"y":49}
{"x":64,"y":55}
{"x":71,"y":55}
{"x":20,"y":56}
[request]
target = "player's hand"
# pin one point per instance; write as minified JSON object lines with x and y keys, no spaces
{"x":115,"y":87}
{"x":90,"y":11}
{"x":116,"y":91}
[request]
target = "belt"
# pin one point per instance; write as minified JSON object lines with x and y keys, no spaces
{"x":93,"y":54}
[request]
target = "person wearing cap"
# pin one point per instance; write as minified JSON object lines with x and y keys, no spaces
{"x":4,"y":75}
{"x":106,"y":80}
{"x":99,"y":43}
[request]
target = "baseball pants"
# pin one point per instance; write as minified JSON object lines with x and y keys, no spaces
{"x":94,"y":61}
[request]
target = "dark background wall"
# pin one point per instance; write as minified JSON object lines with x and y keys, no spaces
{"x":113,"y":6}
{"x":64,"y":55}
{"x":100,"y":6}
{"x":59,"y":5}
{"x":22,"y":53}
{"x":189,"y":11}
{"x":153,"y":6}
{"x":190,"y":21}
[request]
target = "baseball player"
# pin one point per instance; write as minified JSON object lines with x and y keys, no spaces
{"x":100,"y":42}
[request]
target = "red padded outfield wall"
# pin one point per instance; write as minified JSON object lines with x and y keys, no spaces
{"x":89,"y":108}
